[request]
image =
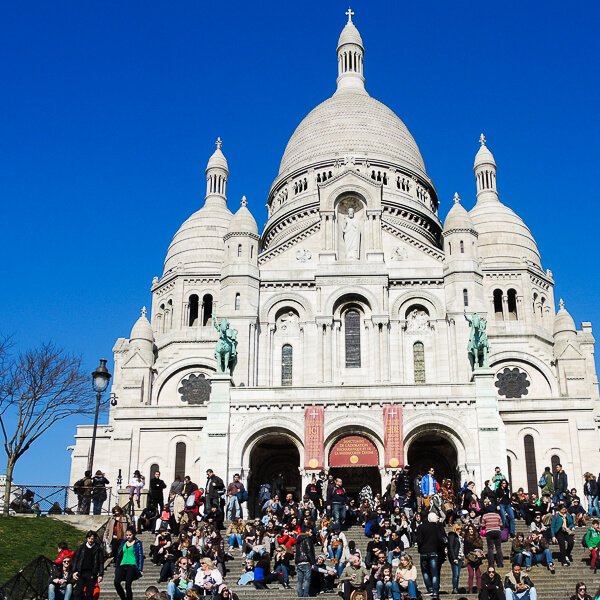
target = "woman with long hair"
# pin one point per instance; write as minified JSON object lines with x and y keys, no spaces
{"x":405,"y":579}
{"x":474,"y":555}
{"x":129,"y":564}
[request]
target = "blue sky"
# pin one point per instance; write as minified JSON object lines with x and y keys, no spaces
{"x":109,"y":111}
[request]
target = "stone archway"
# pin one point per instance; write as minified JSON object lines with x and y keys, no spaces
{"x":431,"y":449}
{"x":273,"y":454}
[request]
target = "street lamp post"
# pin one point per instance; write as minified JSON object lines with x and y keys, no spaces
{"x":100,"y":380}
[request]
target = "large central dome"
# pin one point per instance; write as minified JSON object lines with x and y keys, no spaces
{"x":351,"y":123}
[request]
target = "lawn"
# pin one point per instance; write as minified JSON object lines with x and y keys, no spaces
{"x":23,"y":539}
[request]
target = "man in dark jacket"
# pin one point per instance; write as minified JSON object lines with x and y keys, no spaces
{"x":304,"y":559}
{"x":338,"y":499}
{"x":155,"y":492}
{"x":88,"y":567}
{"x":518,"y":586}
{"x":213,"y":490}
{"x":431,"y":541}
{"x":561,"y":484}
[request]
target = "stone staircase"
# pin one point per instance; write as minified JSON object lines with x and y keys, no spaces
{"x":549,"y":587}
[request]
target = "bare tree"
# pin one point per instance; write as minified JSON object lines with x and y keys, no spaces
{"x":38,"y":388}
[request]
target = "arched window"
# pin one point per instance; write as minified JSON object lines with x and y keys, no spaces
{"x":153,"y":469}
{"x":555,"y":460}
{"x":449,"y":248}
{"x":287,"y":361}
{"x":207,"y":309}
{"x":193,"y":308}
{"x":466,"y":297}
{"x":239,"y":250}
{"x":237,"y":301}
{"x":499,"y":313}
{"x":542,"y":306}
{"x":252,"y":251}
{"x":419,"y":362}
{"x":535,"y":297}
{"x":180,"y":452}
{"x":530,"y":466}
{"x":352,"y":338}
{"x":462,"y":247}
{"x":512,"y":305}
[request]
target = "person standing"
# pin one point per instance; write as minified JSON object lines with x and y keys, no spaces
{"x":236,"y":495}
{"x":338,"y":499}
{"x":503,"y":500}
{"x":304,"y":559}
{"x":155,"y":492}
{"x":492,"y":523}
{"x":99,"y":493}
{"x":88,"y":567}
{"x":561,"y":484}
{"x":129,"y":564}
{"x":116,"y":527}
{"x":429,"y":486}
{"x":456,"y":554}
{"x":83,"y":488}
{"x":546,"y":482}
{"x":431,"y":540}
{"x":213,"y":490}
{"x":562,"y":525}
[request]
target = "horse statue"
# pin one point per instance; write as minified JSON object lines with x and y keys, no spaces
{"x":226,"y":348}
{"x":479,"y":345}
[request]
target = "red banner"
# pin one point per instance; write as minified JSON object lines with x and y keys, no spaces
{"x":393,"y":440}
{"x":314,"y":438}
{"x":354,"y":451}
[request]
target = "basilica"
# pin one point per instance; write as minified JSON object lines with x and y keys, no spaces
{"x":350,"y":317}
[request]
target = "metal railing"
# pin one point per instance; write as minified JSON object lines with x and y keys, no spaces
{"x":58,"y":499}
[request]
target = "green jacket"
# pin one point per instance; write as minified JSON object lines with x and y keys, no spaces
{"x":549,"y":487}
{"x":592,"y":538}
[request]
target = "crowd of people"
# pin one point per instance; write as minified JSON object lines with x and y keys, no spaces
{"x":415,"y":526}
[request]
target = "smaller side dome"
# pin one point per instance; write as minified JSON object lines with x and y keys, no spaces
{"x":243,"y":221}
{"x":458,"y":217}
{"x":142,"y":330}
{"x":563,"y":322}
{"x":217,"y":160}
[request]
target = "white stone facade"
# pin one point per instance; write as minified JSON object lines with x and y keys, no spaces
{"x":409,"y":280}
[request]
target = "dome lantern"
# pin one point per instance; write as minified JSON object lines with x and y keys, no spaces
{"x":217,"y":174}
{"x":350,"y":54}
{"x":485,"y":172}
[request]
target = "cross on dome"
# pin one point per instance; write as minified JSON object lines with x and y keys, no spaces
{"x":561,"y":303}
{"x":244,"y":201}
{"x":144,"y":311}
{"x":456,"y":198}
{"x":350,"y":14}
{"x":482,"y":139}
{"x":218,"y":143}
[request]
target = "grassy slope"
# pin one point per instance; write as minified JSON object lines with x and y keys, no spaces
{"x":23,"y":539}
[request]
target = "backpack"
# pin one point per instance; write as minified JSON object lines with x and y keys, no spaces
{"x":78,"y":487}
{"x":191,"y":501}
{"x":242,"y":496}
{"x":542,"y":481}
{"x":264,"y":493}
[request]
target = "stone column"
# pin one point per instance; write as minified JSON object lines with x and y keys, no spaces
{"x":374,"y":350}
{"x":374,"y":251}
{"x":402,"y":350}
{"x":328,"y":350}
{"x":452,"y":349}
{"x":328,"y":252}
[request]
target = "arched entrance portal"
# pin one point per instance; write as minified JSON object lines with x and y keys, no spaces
{"x":273,"y":455}
{"x":355,"y":460}
{"x":430,"y":449}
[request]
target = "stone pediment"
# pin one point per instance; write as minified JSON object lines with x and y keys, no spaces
{"x":136,"y":361}
{"x":569,"y":352}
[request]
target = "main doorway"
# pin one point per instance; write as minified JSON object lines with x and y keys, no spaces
{"x":274,"y":460}
{"x":430,"y":449}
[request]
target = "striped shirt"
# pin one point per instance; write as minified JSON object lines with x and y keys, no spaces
{"x":491,"y":521}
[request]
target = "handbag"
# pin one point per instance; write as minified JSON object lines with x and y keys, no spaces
{"x":504,"y":535}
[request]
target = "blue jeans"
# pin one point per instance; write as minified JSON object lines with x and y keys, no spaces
{"x":284,"y":572}
{"x":235,"y":539}
{"x":175,"y":592}
{"x":538,"y":559}
{"x":335,"y":552}
{"x":431,"y":572}
{"x":55,"y":593}
{"x":593,"y":509}
{"x":304,"y":573}
{"x":508,"y":517}
{"x":338,"y":513}
{"x":530,"y":594}
{"x":558,"y":497}
{"x":456,"y":573}
{"x":397,"y":590}
{"x":384,"y":590}
{"x":233,"y":509}
{"x":97,"y":505}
